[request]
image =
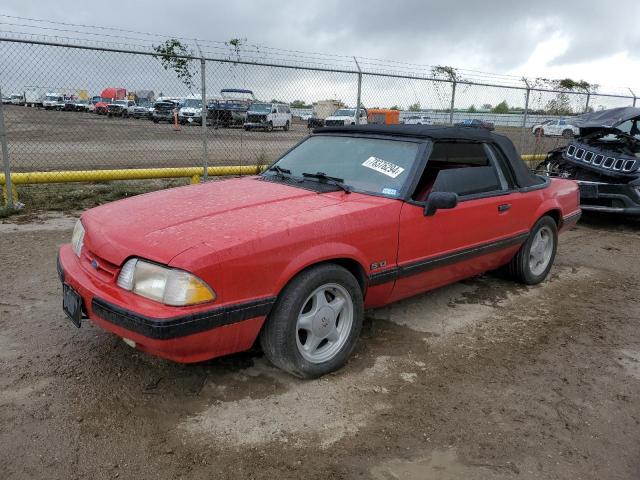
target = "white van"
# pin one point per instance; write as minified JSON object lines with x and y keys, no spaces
{"x":268,"y":116}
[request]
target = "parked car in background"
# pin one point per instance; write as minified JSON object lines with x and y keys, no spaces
{"x":81,"y":105}
{"x":418,"y":120}
{"x":346,"y":116}
{"x":6,"y":100}
{"x":164,"y":111}
{"x":604,"y":160}
{"x":351,"y":218}
{"x":142,"y":109}
{"x":120,"y":108}
{"x":69,"y":104}
{"x":231,"y":109}
{"x":476,"y":123}
{"x":321,"y":110}
{"x":267,"y":116}
{"x":53,"y":101}
{"x":108,"y":96}
{"x":17,"y":99}
{"x":556,"y":128}
{"x":191,"y":111}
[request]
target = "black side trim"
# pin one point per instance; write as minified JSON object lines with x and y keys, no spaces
{"x":442,"y":260}
{"x":183,"y":325}
{"x":59,"y":268}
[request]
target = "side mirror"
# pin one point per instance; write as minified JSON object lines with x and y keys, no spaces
{"x":440,"y":200}
{"x":274,"y":111}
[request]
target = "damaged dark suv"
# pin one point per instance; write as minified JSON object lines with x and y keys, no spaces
{"x":604,"y":160}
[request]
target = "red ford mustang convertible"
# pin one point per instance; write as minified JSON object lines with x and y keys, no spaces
{"x":350,"y":218}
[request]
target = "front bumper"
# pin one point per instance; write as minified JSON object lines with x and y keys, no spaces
{"x":609,"y":197}
{"x":182,"y":334}
{"x":264,"y":124}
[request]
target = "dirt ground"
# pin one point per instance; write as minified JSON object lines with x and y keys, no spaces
{"x":483,"y":379}
{"x":41,"y":140}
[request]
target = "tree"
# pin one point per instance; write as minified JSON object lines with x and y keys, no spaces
{"x":472,"y":109}
{"x":487,"y":106}
{"x":299,"y":104}
{"x":502,"y":107}
{"x":415,"y":107}
{"x":559,"y":105}
{"x":173,"y":56}
{"x":395,"y":107}
{"x":236,"y":45}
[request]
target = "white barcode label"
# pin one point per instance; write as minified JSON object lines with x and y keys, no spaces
{"x":387,"y":168}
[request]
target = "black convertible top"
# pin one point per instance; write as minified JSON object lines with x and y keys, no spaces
{"x":524,"y":177}
{"x":606,"y":118}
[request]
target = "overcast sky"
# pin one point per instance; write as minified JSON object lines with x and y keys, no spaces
{"x":595,"y":41}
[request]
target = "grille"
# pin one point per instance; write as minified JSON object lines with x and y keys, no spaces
{"x":624,"y":165}
{"x":334,"y":123}
{"x":256,"y":118}
{"x":98,"y":266}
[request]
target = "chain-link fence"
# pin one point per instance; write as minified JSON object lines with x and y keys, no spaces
{"x":78,"y":112}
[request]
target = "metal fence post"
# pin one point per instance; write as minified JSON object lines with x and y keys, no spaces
{"x":634,"y":97}
{"x":203,"y":119}
{"x":5,"y":158}
{"x":586,"y":106}
{"x":526,"y":113}
{"x":453,"y":101}
{"x":358,"y":100}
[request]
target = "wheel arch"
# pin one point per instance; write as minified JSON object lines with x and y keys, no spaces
{"x":352,"y":261}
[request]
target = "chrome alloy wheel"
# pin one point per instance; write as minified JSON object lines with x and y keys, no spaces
{"x":324,"y":323}
{"x":541,"y":251}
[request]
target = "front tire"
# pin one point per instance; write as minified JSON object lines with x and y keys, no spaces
{"x":568,"y":133}
{"x":286,"y":126}
{"x":534,"y":260}
{"x":316,"y":322}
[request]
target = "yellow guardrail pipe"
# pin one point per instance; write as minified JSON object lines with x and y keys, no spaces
{"x":68,"y":176}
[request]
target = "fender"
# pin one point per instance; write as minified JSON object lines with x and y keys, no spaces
{"x":319,"y":254}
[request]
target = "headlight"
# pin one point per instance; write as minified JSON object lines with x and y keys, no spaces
{"x":163,"y":284}
{"x":77,"y":238}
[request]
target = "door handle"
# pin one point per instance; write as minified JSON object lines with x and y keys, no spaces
{"x":504,"y":207}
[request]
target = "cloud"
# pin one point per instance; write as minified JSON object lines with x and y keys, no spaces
{"x":494,"y":36}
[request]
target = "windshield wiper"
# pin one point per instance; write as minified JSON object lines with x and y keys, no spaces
{"x":281,"y":172}
{"x":338,"y":182}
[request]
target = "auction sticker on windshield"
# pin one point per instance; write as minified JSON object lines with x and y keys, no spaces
{"x":387,"y":168}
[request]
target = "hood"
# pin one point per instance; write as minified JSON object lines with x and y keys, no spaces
{"x":611,"y":118}
{"x":160,"y":225}
{"x":340,"y":117}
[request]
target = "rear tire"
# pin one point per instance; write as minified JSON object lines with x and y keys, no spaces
{"x":316,"y":322}
{"x":286,"y":126}
{"x":534,"y":260}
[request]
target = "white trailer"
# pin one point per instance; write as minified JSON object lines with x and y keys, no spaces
{"x":33,"y":96}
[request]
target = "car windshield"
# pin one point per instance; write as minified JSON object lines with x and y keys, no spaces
{"x":345,"y":112}
{"x":192,"y":103}
{"x":371,"y":165}
{"x":51,"y":98}
{"x":121,"y":102}
{"x":260,"y":108}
